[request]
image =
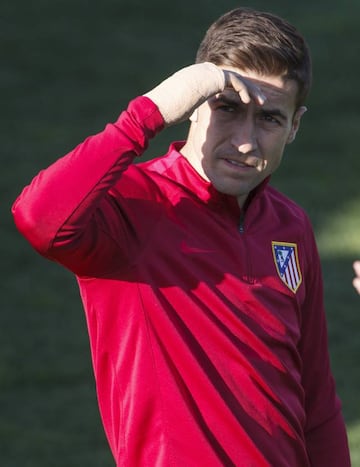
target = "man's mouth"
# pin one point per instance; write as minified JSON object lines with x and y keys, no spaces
{"x":238,"y":163}
{"x":250,"y":163}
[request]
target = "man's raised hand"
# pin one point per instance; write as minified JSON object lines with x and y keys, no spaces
{"x":180,"y":94}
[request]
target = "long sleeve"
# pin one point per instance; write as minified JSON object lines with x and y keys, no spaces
{"x":56,"y":211}
{"x":325,"y":433}
{"x":327,"y":444}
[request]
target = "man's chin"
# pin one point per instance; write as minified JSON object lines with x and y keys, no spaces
{"x":228,"y":189}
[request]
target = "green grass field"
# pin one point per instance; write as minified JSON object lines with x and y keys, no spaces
{"x":67,"y":68}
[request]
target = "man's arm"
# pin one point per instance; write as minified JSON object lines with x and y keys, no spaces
{"x":327,"y":444}
{"x":178,"y":96}
{"x":325,"y":432}
{"x":56,"y":212}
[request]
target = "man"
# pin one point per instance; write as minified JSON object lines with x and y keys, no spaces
{"x":356,"y":280}
{"x":201,"y":283}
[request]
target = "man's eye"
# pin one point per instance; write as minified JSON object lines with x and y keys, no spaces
{"x":227,"y":108}
{"x":268,"y":118}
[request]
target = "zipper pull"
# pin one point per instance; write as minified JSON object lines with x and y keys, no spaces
{"x":242,"y":222}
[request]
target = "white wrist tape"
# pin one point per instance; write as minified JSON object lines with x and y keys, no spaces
{"x":181,"y":93}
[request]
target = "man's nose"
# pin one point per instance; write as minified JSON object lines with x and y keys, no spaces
{"x":244,"y":136}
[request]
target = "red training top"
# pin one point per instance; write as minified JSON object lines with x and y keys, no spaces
{"x":206,"y":324}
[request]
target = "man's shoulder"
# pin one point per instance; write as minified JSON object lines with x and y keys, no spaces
{"x":151,"y":178}
{"x":285,"y":205}
{"x":163,"y":163}
{"x":160,"y":164}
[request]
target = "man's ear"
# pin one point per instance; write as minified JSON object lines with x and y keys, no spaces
{"x":296,"y":123}
{"x":194,"y":116}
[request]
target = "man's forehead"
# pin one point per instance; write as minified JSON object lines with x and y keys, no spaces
{"x":274,"y":96}
{"x":275,"y":87}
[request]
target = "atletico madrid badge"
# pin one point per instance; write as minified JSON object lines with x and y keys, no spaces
{"x":287,"y":264}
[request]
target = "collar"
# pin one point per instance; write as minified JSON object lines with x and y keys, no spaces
{"x":186,"y":175}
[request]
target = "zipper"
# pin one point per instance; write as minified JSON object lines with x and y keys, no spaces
{"x":247,"y":277}
{"x":242,"y":222}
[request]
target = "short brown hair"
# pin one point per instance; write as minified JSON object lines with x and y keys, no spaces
{"x":261,"y":42}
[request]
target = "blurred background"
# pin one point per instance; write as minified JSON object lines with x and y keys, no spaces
{"x":67,"y":68}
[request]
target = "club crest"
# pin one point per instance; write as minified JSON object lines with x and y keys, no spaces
{"x":287,"y":264}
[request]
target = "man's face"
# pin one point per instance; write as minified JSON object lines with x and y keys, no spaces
{"x":235,"y":145}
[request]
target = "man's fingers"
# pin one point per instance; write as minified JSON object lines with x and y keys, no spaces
{"x":244,"y":87}
{"x":356,"y":280}
{"x":356,"y":284}
{"x":178,"y":95}
{"x":356,"y":266}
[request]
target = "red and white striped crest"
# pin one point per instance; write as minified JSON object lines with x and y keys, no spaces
{"x":287,"y":264}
